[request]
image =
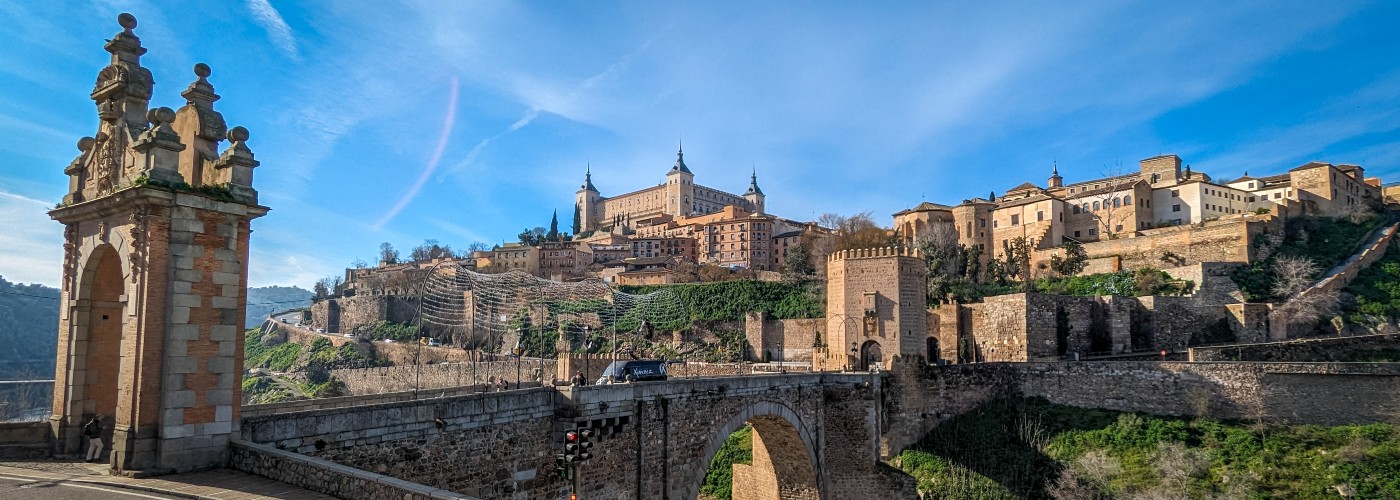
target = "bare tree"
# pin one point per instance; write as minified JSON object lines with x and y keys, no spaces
{"x":387,"y":254}
{"x":1293,"y":275}
{"x":1111,"y":209}
{"x":1357,"y":213}
{"x":855,"y":231}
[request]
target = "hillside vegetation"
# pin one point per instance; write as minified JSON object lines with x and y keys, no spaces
{"x":1324,"y":241}
{"x":28,"y":330}
{"x":1030,"y":448}
{"x":729,"y":300}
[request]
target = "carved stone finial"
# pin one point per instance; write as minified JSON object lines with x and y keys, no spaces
{"x":160,"y":116}
{"x":85,"y":144}
{"x":238,"y":134}
{"x":127,"y":21}
{"x":202,"y":70}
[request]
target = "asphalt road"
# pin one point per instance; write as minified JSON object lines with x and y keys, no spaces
{"x":15,"y":488}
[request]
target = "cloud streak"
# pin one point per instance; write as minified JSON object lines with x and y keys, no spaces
{"x":443,"y":138}
{"x":33,"y":244}
{"x":277,"y":29}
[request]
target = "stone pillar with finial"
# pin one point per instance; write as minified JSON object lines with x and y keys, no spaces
{"x":201,"y":127}
{"x":235,"y":166}
{"x":155,"y":278}
{"x":161,"y":147}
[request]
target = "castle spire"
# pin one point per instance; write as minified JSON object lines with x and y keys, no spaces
{"x":1055,"y":179}
{"x":753,"y":184}
{"x":680,"y":161}
{"x":588,"y":178}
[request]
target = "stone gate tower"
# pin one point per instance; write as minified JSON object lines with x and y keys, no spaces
{"x":876,"y":304}
{"x":155,"y":273}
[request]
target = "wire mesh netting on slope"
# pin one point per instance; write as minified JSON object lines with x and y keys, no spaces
{"x":516,"y":311}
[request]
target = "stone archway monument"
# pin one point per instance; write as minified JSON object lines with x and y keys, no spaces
{"x":155,"y":273}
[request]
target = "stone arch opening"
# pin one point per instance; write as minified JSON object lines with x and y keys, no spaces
{"x":870,"y":355}
{"x":933,"y":352}
{"x":97,"y":323}
{"x":785,"y":463}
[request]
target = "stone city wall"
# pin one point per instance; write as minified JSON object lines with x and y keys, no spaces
{"x":1336,"y":349}
{"x":785,"y":339}
{"x":346,"y":314}
{"x":399,"y":353}
{"x":1226,"y":240}
{"x":1295,"y":393}
{"x":386,"y":379}
{"x":1043,"y":327}
{"x":489,"y":445}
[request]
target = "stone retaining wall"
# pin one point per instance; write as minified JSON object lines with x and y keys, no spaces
{"x":326,"y":477}
{"x":1295,"y":393}
{"x":490,"y":445}
{"x":1324,"y":349}
{"x":25,"y":439}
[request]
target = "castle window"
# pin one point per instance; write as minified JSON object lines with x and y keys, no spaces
{"x":1093,"y":231}
{"x":1127,"y":200}
{"x":1176,"y":208}
{"x":1039,"y":215}
{"x":1076,"y":234}
{"x":1096,"y":206}
{"x":1076,"y":209}
{"x":1176,"y":193}
{"x":1015,"y":219}
{"x":1115,"y":202}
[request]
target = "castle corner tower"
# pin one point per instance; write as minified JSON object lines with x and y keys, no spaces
{"x":155,"y":273}
{"x":754,"y":195}
{"x":680,"y":187}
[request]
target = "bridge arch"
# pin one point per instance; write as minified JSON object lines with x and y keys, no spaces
{"x":779,"y":430}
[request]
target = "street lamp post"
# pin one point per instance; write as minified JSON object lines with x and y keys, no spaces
{"x":518,"y":351}
{"x":854,"y":352}
{"x":587,"y":346}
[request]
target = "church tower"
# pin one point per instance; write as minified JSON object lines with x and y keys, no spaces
{"x":156,"y":228}
{"x":680,"y":188}
{"x":754,"y":194}
{"x":1055,"y":180}
{"x":586,"y":202}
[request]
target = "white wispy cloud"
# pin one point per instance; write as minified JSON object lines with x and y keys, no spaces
{"x":277,"y":29}
{"x":32,"y":243}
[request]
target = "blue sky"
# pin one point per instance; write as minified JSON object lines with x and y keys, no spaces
{"x":468,"y":121}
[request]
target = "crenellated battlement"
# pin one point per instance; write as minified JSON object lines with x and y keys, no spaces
{"x":875,"y":253}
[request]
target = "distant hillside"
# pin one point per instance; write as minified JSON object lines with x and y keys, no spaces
{"x":28,"y":329}
{"x":270,"y":299}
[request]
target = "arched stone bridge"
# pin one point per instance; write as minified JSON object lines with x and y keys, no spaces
{"x":816,"y":436}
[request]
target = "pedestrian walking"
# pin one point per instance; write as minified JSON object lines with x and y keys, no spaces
{"x":93,"y":430}
{"x":578,"y":379}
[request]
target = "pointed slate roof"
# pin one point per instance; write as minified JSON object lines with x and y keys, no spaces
{"x":753,"y":185}
{"x":680,"y":162}
{"x":588,"y":179}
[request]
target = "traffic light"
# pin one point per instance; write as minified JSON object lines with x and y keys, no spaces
{"x":572,"y":447}
{"x":561,"y":467}
{"x":577,"y":445}
{"x":585,"y":436}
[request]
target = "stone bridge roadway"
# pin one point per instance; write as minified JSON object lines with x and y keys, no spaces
{"x":816,"y":437}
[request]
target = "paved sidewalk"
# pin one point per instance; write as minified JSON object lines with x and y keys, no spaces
{"x":220,"y":484}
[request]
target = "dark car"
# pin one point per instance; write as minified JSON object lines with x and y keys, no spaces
{"x":639,"y":370}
